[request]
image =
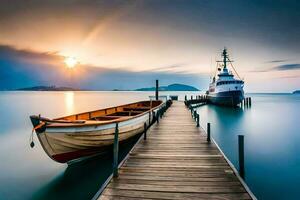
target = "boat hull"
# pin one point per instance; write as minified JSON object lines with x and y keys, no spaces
{"x":67,"y":144}
{"x":228,"y":98}
{"x":79,"y":136}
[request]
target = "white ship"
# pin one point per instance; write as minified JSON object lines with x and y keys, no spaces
{"x":225,"y":89}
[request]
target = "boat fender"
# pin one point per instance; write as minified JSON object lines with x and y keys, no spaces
{"x":31,"y":139}
{"x":31,"y":144}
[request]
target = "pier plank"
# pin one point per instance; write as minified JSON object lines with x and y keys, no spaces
{"x":175,"y":162}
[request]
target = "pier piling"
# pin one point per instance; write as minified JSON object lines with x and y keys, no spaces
{"x":116,"y":151}
{"x":153,"y":118}
{"x":198,"y":120}
{"x":195,"y":114}
{"x":208,"y":132}
{"x":241,"y":156}
{"x":145,"y":131}
{"x":156,"y":90}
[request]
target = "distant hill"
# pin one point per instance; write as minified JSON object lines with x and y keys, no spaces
{"x":49,"y":88}
{"x":296,"y":92}
{"x":172,"y":87}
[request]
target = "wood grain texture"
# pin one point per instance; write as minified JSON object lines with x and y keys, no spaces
{"x":175,"y":162}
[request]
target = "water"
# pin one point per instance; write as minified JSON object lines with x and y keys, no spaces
{"x":27,"y":173}
{"x":270,"y":126}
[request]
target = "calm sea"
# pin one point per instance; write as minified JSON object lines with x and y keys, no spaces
{"x":271,"y":128}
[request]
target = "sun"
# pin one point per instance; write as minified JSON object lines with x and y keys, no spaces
{"x":71,"y":62}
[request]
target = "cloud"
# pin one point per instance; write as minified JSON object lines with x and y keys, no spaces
{"x":277,"y":61}
{"x":173,"y":66}
{"x":25,"y":68}
{"x":285,"y":67}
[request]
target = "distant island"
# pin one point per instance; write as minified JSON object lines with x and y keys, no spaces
{"x":48,"y":88}
{"x":172,"y":87}
{"x":296,"y":92}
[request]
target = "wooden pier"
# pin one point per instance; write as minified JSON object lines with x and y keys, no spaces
{"x":176,"y":162}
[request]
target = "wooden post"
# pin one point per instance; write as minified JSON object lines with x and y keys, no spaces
{"x":153,"y":117}
{"x":195,"y":114}
{"x":198,"y":120}
{"x":249,"y":101}
{"x":185,"y":98}
{"x":149,"y":118}
{"x":157,"y":116}
{"x":244,"y":102}
{"x":145,"y":131}
{"x":156,"y":90}
{"x":192,"y":97}
{"x":208,"y":132}
{"x":116,"y":152}
{"x":241,"y":156}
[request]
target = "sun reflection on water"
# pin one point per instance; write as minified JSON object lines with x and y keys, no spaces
{"x":69,"y":102}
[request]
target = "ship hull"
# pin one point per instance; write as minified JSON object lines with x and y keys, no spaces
{"x":228,"y":98}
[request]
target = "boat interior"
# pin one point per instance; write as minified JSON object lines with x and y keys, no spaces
{"x":114,"y":113}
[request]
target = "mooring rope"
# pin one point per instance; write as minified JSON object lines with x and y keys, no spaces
{"x":31,"y":136}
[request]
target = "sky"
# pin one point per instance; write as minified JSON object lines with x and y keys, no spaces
{"x":129,"y":44}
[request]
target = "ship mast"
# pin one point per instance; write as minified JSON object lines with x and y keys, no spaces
{"x":225,"y":58}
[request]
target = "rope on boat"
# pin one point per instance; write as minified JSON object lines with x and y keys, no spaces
{"x":31,"y":136}
{"x":31,"y":142}
{"x":234,"y":69}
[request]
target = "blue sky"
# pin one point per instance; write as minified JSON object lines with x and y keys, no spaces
{"x":129,"y":44}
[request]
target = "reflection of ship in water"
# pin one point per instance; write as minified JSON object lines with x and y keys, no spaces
{"x":225,"y":89}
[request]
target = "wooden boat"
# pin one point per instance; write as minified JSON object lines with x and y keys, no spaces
{"x":82,"y":135}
